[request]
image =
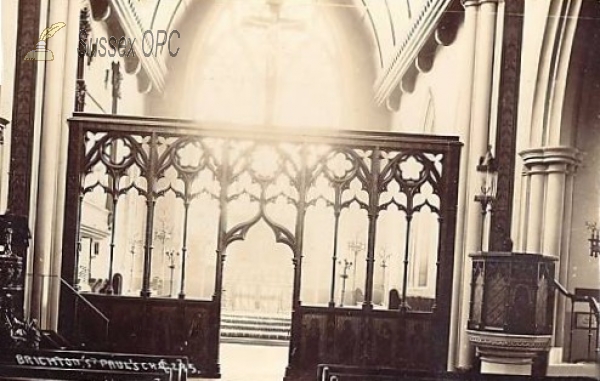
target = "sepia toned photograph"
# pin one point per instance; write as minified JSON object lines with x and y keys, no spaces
{"x":299,"y":190}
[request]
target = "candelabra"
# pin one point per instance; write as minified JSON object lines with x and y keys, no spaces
{"x":356,"y":247}
{"x":94,"y":252}
{"x":384,"y":256}
{"x":171,"y":254}
{"x":163,"y":233}
{"x":132,"y":250}
{"x":344,"y":276}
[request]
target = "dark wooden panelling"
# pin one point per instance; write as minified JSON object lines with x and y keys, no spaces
{"x":19,"y":187}
{"x":393,"y":339}
{"x":512,"y":293}
{"x":154,"y":326}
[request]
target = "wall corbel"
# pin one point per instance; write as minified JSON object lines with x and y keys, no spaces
{"x":144,"y":84}
{"x":120,"y":23}
{"x":447,"y":29}
{"x":393,"y":101}
{"x":409,"y":79}
{"x":101,"y":10}
{"x":133,"y":65}
{"x":425,"y":58}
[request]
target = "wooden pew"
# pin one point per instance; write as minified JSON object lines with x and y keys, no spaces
{"x":90,"y":366}
{"x":332,"y":372}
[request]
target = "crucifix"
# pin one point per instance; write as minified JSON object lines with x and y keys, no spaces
{"x":171,"y":254}
{"x":384,"y":256}
{"x":272,"y":23}
{"x":344,"y":276}
{"x":134,"y":244}
{"x":356,"y":246}
{"x":164,"y":233}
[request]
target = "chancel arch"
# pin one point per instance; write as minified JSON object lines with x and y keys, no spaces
{"x":307,"y":63}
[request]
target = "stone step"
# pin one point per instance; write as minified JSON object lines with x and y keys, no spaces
{"x":256,"y":318}
{"x":558,"y":368}
{"x":591,"y":370}
{"x":255,"y":322}
{"x":255,"y":334}
{"x":252,"y":327}
{"x":254,"y":341}
{"x":244,"y":327}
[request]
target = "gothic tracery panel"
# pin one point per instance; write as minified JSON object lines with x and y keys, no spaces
{"x":178,"y":193}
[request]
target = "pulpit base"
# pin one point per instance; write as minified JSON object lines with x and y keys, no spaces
{"x":509,"y":354}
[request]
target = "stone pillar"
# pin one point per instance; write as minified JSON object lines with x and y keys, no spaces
{"x":565,"y":244}
{"x":68,"y":96}
{"x":546,"y":171}
{"x":554,"y":207}
{"x":463,"y":125}
{"x":50,"y":143}
{"x":548,"y":174}
{"x":535,"y":210}
{"x":478,"y":140}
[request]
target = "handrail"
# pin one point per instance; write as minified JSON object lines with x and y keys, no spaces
{"x":568,"y":294}
{"x":590,"y":300}
{"x":594,"y":309}
{"x":87,"y":302}
{"x":562,"y":289}
{"x":595,"y":306}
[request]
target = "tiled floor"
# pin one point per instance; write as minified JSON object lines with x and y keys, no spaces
{"x":247,"y":362}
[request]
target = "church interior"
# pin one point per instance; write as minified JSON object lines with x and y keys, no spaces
{"x":326,"y":190}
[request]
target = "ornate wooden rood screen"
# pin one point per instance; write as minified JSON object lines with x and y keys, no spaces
{"x":312,"y":190}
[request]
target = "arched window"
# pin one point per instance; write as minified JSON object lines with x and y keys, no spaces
{"x":267,"y":63}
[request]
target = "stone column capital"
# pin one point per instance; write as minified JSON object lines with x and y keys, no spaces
{"x":475,"y":3}
{"x":552,"y":158}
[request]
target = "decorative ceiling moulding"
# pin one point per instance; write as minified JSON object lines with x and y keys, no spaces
{"x":443,"y":14}
{"x":447,"y":28}
{"x":144,"y":84}
{"x":409,"y":79}
{"x":392,"y":102}
{"x":152,"y":65}
{"x":121,"y":20}
{"x":133,"y":64}
{"x":424,"y":60}
{"x":100,"y":9}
